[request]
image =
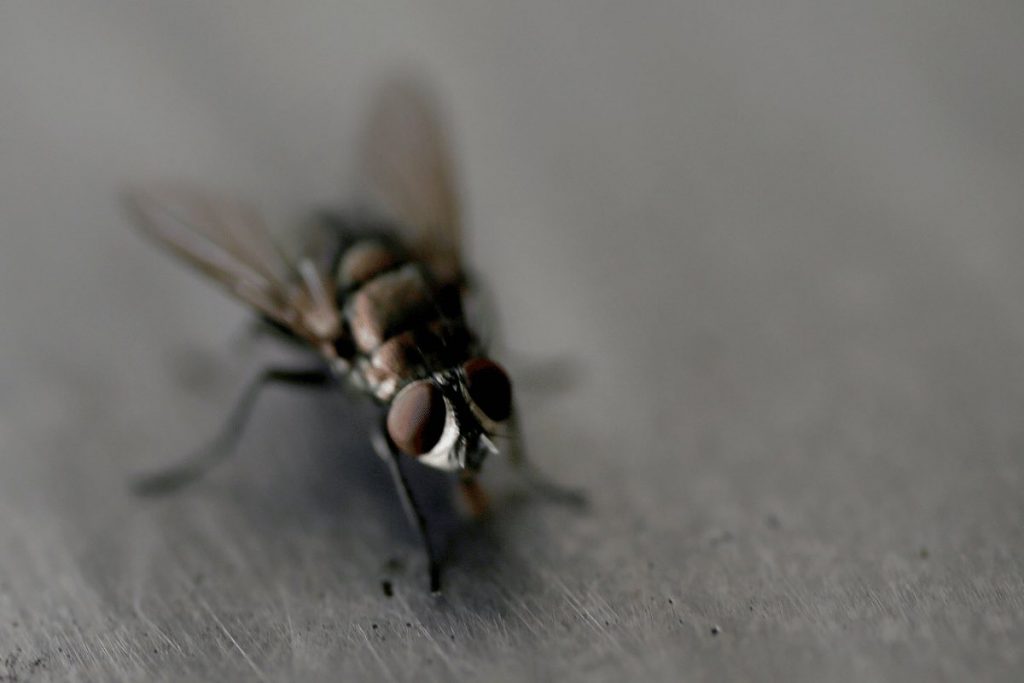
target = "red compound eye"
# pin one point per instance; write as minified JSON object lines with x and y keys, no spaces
{"x":416,"y":418}
{"x":489,"y":387}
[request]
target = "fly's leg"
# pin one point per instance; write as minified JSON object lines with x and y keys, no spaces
{"x":390,"y":454}
{"x":532,"y":476}
{"x":202,"y":461}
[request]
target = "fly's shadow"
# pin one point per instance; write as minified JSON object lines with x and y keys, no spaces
{"x":302,"y":464}
{"x":297,"y":458}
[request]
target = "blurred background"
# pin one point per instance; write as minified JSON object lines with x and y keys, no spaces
{"x":781,"y":241}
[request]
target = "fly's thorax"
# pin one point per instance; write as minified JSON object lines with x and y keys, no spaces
{"x":415,"y":354}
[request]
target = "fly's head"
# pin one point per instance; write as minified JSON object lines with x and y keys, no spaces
{"x":447,"y":421}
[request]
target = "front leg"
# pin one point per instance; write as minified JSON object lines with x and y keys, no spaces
{"x":390,"y":454}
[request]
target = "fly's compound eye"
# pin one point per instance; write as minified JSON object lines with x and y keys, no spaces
{"x":416,"y":418}
{"x":490,"y":388}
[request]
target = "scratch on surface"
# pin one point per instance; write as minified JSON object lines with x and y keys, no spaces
{"x":442,"y":655}
{"x":81,"y":649}
{"x":376,"y":655}
{"x":292,"y":638}
{"x":530,"y":619}
{"x":144,"y":618}
{"x":141,"y":566}
{"x":579,"y":608}
{"x":234,"y":642}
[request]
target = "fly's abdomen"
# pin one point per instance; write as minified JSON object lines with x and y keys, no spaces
{"x":390,"y":303}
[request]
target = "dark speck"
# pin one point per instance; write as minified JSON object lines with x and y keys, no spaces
{"x":923,"y":553}
{"x":375,"y":627}
{"x":715,"y":630}
{"x":670,"y":601}
{"x":408,"y":624}
{"x":387,"y":588}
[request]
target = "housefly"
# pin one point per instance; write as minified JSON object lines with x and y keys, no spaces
{"x":377,"y":296}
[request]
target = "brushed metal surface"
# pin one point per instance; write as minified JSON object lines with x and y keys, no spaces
{"x":781,"y":242}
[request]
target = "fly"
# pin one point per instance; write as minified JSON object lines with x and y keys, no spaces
{"x":378,"y":299}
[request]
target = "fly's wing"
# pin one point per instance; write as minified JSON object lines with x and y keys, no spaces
{"x":228,"y":242}
{"x":410,"y":175}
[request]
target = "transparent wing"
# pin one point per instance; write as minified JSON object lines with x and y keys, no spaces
{"x":228,"y":242}
{"x":407,"y":165}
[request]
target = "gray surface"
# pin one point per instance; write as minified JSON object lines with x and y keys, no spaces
{"x":782,"y":240}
